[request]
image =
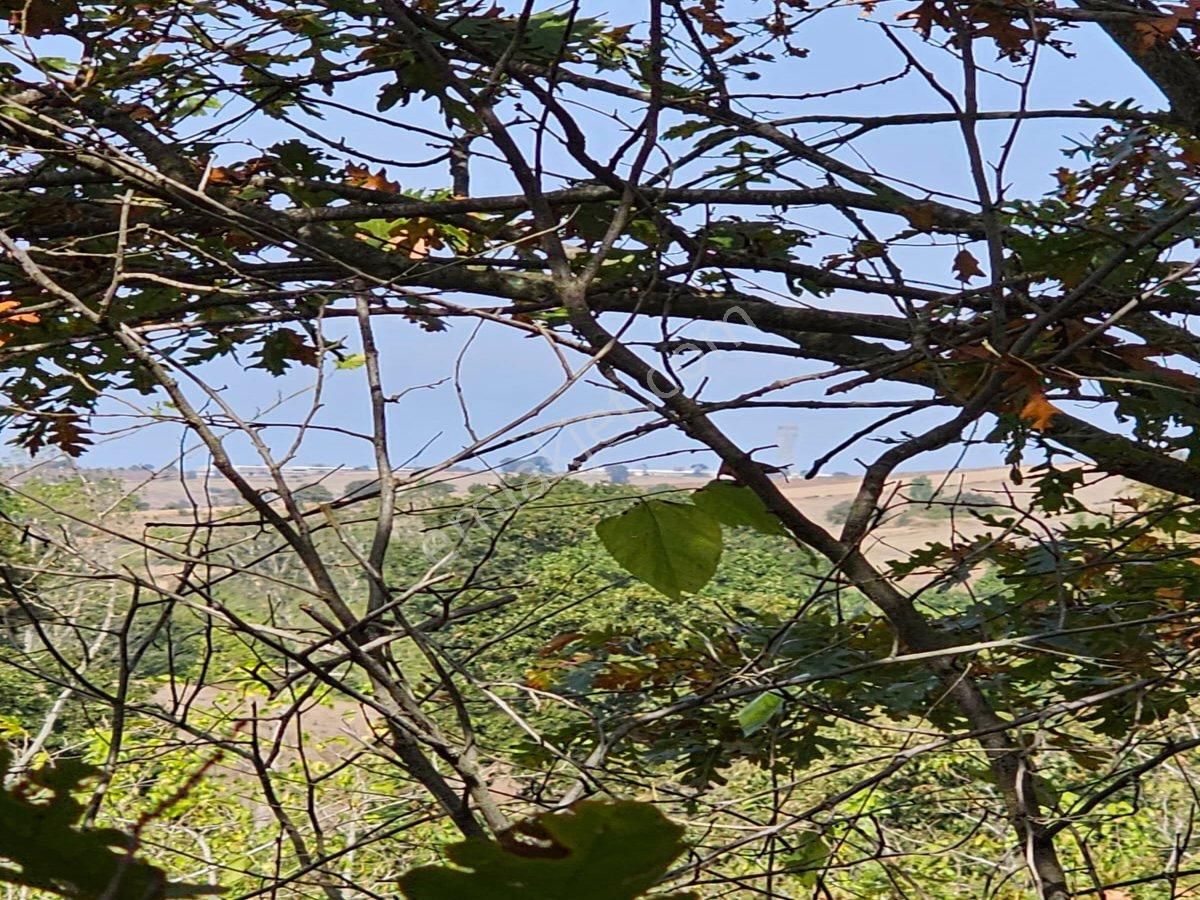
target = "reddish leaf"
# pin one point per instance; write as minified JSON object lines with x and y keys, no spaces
{"x":711,"y":23}
{"x":1002,"y":27}
{"x":555,"y":644}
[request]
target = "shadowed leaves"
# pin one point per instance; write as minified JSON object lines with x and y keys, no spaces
{"x":597,"y":851}
{"x":44,"y":847}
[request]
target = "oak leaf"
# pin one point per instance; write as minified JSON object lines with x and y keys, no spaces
{"x":925,"y":16}
{"x":708,"y":15}
{"x":361,"y":176}
{"x":1039,"y":412}
{"x":1001,"y":27}
{"x":416,"y":238}
{"x":69,"y":435}
{"x":378,"y":181}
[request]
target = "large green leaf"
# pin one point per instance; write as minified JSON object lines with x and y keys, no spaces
{"x":758,"y":712}
{"x":809,"y":856}
{"x":673,"y":547}
{"x":737,"y":505}
{"x":597,"y":851}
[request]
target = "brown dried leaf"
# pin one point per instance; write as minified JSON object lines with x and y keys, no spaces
{"x":920,"y":216}
{"x":708,"y":14}
{"x":924,"y":17}
{"x":69,"y":435}
{"x":1155,"y":31}
{"x":966,"y":266}
{"x":38,"y":17}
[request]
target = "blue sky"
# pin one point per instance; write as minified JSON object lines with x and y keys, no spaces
{"x":504,"y":373}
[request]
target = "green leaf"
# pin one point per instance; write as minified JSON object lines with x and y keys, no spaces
{"x":597,"y":851}
{"x":673,"y":547}
{"x":300,"y":159}
{"x":688,"y":129}
{"x":806,"y":861}
{"x":737,"y":505}
{"x":380,"y":229}
{"x":755,"y":714}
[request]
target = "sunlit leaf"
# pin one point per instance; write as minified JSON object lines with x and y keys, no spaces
{"x":758,"y":712}
{"x":737,"y":505}
{"x":1039,"y":412}
{"x":673,"y":547}
{"x":807,"y":859}
{"x":45,"y":847}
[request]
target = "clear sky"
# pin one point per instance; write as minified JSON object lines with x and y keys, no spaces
{"x":503,"y":373}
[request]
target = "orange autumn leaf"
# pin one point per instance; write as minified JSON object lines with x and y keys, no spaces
{"x":241,"y":242}
{"x":1038,"y":411}
{"x":711,"y":23}
{"x":9,"y":317}
{"x":379,"y":182}
{"x":361,"y":176}
{"x":1010,"y":36}
{"x":16,"y":318}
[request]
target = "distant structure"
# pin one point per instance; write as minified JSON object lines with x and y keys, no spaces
{"x":785,"y":438}
{"x":298,"y":469}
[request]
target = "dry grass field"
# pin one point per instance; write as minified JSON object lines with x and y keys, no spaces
{"x":169,"y":496}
